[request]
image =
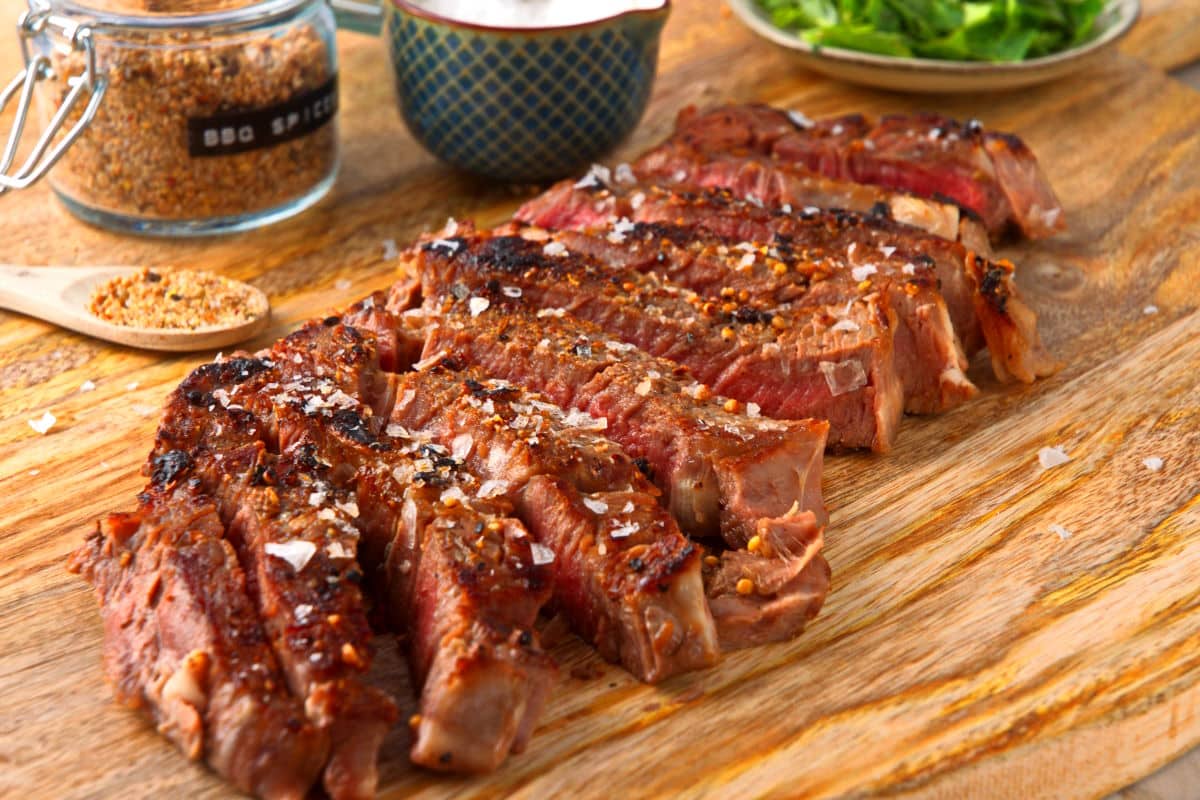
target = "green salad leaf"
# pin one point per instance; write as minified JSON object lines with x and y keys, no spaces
{"x":960,"y":30}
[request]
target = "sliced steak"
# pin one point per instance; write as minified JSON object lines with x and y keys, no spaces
{"x":992,"y":174}
{"x":459,"y":577}
{"x":791,"y":366}
{"x":182,"y":640}
{"x":723,"y":469}
{"x":625,"y":578}
{"x":300,"y":555}
{"x":759,"y":596}
{"x":760,"y":178}
{"x":983,"y":309}
{"x":713,"y":464}
{"x":929,"y":357}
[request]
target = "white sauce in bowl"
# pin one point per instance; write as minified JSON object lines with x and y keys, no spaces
{"x":532,"y":13}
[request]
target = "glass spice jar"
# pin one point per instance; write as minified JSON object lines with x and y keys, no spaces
{"x":201,"y":116}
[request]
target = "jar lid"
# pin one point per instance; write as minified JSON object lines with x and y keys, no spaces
{"x":172,"y":14}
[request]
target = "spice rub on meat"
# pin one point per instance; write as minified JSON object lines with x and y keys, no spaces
{"x":980,"y":295}
{"x":990,"y":174}
{"x":613,"y":409}
{"x":790,"y":364}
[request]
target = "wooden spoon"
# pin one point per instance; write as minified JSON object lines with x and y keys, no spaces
{"x":61,"y":295}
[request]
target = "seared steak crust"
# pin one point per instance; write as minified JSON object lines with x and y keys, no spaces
{"x":297,"y":545}
{"x":929,"y":356}
{"x":182,"y":640}
{"x":992,"y":174}
{"x":982,"y":309}
{"x":722,"y":469}
{"x":625,"y":578}
{"x":689,"y":166}
{"x":457,"y":572}
{"x":790,"y":365}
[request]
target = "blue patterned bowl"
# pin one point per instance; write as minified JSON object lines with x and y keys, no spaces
{"x":522,"y":104}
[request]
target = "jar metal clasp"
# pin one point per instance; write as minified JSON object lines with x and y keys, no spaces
{"x":33,"y":23}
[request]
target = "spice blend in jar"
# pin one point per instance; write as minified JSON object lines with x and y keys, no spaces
{"x":221,"y":123}
{"x":182,"y":300}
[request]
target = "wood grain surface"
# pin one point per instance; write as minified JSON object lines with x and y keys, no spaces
{"x":965,"y":650}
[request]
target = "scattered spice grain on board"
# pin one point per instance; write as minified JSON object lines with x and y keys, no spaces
{"x":179,"y":300}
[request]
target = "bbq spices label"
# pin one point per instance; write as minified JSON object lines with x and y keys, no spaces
{"x":238,"y":131}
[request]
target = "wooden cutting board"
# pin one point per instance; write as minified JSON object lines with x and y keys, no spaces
{"x":965,"y":650}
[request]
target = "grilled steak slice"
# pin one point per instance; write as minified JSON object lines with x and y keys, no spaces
{"x":726,"y":472}
{"x":980,"y":295}
{"x":462,"y":583}
{"x":760,"y":596}
{"x":994,"y":175}
{"x":791,"y":366}
{"x":721,"y":462}
{"x":757,"y":177}
{"x":299,"y":548}
{"x":625,"y":578}
{"x":461,"y":577}
{"x":182,"y":639}
{"x":929,"y":356}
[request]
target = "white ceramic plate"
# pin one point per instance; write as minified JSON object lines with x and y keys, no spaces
{"x":934,"y":75}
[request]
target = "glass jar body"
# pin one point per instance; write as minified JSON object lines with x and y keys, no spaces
{"x":213,"y":126}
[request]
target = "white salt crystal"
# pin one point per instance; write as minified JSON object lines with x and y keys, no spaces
{"x":461,"y":446}
{"x":799,"y":119}
{"x":87,"y":386}
{"x":541,"y":554}
{"x":843,"y":377}
{"x":1062,"y":532}
{"x":863,"y":272}
{"x":595,"y":506}
{"x":1052,"y":457}
{"x":297,"y":553}
{"x":1148,"y":310}
{"x":1153,"y":463}
{"x":624,"y":531}
{"x":846,"y":325}
{"x":598,"y":176}
{"x":43,"y":423}
{"x":491,"y":488}
{"x":478,"y":305}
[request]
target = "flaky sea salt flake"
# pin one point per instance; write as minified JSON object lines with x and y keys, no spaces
{"x":478,"y":305}
{"x":541,"y":554}
{"x":1061,"y":532}
{"x":297,"y":552}
{"x":43,"y":423}
{"x":1050,"y":457}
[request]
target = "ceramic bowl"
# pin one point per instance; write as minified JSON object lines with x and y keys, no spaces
{"x":934,"y":75}
{"x":522,"y":104}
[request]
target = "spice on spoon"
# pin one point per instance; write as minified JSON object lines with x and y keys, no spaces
{"x":182,"y":299}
